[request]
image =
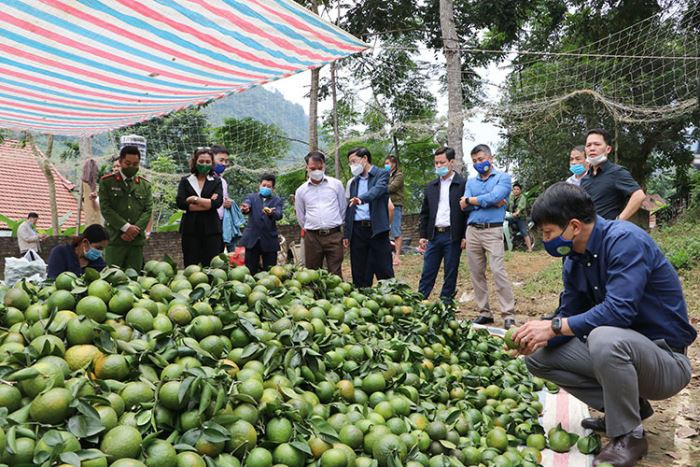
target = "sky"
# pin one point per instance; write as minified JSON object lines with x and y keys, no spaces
{"x":476,"y":129}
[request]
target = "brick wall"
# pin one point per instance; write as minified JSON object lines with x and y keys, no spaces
{"x":168,"y":243}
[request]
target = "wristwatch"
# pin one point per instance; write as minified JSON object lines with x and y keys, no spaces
{"x":556,"y":325}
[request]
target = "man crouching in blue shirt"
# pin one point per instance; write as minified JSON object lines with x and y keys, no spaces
{"x":623,"y":302}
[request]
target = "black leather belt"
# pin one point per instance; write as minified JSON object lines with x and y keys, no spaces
{"x":680,"y":350}
{"x":442,"y":229}
{"x":326,"y":231}
{"x":489,"y":225}
{"x":364,"y":223}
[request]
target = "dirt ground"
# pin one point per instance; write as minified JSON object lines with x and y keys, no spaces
{"x":674,"y":430}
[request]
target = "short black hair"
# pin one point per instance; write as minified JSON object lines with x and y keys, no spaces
{"x":218,"y":149}
{"x":562,"y":202}
{"x":32,"y":215}
{"x":317,"y":156}
{"x":361,"y":152}
{"x":518,"y":185}
{"x":269,"y":178}
{"x":481,"y":148}
{"x":580,"y":149}
{"x":447,"y":151}
{"x":95,"y":233}
{"x":129,"y":150}
{"x":602,"y":132}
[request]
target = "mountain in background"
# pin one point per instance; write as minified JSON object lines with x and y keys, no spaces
{"x":269,"y":107}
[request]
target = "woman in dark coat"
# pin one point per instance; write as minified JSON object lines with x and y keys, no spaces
{"x":200,"y":195}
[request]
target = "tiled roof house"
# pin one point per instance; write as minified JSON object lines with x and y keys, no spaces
{"x":24,"y":189}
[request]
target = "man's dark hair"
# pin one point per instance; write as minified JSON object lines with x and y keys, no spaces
{"x":562,"y":202}
{"x":218,"y":149}
{"x":518,"y":185}
{"x":447,"y":151}
{"x":361,"y":152}
{"x":481,"y":148}
{"x":269,"y":178}
{"x":94,"y":233}
{"x":129,"y":150}
{"x":316,"y":156}
{"x":580,"y":149}
{"x":32,"y":215}
{"x":602,"y":132}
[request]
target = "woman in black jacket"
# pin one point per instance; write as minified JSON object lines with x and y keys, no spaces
{"x":199,"y":195}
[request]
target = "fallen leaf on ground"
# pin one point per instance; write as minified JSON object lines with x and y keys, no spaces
{"x":685,"y":432}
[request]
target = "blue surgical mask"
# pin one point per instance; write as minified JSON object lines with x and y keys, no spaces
{"x":482,"y":167}
{"x":265,"y":191}
{"x":559,"y":246}
{"x":219,"y":168}
{"x":387,"y":167}
{"x":442,"y":171}
{"x":577,"y":169}
{"x":93,"y":254}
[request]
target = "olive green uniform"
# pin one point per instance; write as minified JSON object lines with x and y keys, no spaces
{"x":125,"y":201}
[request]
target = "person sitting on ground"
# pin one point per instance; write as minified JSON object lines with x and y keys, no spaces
{"x":621,"y":333}
{"x":83,"y":251}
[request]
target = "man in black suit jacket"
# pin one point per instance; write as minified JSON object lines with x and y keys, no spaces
{"x":442,"y":226}
{"x":260,"y":237}
{"x":367,"y":220}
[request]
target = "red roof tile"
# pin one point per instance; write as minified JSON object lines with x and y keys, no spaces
{"x":24,"y":189}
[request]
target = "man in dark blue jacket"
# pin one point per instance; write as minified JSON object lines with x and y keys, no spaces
{"x":260,"y":237}
{"x":624,"y":304}
{"x":367,"y":220}
{"x":442,"y":226}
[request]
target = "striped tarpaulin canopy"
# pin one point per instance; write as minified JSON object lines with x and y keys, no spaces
{"x":80,"y":67}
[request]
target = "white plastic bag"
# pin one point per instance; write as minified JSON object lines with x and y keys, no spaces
{"x":29,"y":267}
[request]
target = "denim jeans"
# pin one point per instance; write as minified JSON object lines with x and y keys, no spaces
{"x":441,"y":247}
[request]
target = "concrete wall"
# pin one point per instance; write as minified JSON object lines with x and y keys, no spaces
{"x":168,"y":243}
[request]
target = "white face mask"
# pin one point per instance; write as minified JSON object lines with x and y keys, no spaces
{"x":597,"y":160}
{"x":316,"y":175}
{"x":356,"y":169}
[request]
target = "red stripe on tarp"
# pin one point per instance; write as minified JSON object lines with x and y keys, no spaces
{"x":304,"y":27}
{"x":81,"y":72}
{"x":253,"y":29}
{"x":147,"y":42}
{"x":562,"y":407}
{"x":58,"y":38}
{"x":145,"y":11}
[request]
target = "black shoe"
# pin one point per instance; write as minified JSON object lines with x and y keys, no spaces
{"x":550,"y":316}
{"x":623,"y":451}
{"x":483,"y":320}
{"x":509,"y":323}
{"x":598,"y":423}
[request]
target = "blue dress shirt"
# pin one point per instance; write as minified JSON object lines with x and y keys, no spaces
{"x":362,"y":210}
{"x":488,"y":192}
{"x":624,"y":280}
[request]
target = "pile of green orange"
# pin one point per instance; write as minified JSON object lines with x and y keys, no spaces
{"x":211,"y":366}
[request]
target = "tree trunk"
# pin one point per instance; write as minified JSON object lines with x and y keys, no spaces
{"x":85,"y":147}
{"x":48,"y":174}
{"x":455,"y":116}
{"x":313,"y":99}
{"x":336,"y":132}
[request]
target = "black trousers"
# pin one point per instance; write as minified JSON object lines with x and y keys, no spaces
{"x":369,"y":256}
{"x":255,"y":254}
{"x":200,"y":249}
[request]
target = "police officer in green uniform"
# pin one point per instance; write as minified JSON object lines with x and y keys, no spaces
{"x":126,"y":203}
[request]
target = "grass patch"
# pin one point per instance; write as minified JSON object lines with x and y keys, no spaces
{"x":546,"y":281}
{"x":680,"y":243}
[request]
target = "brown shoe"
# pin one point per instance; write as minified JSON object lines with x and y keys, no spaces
{"x":623,"y":451}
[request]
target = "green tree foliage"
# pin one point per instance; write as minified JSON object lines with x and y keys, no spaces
{"x":176,"y":135}
{"x":253,"y":145}
{"x":163,"y":188}
{"x":538,"y":148}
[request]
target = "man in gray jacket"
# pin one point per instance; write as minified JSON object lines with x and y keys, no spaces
{"x":27,"y":236}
